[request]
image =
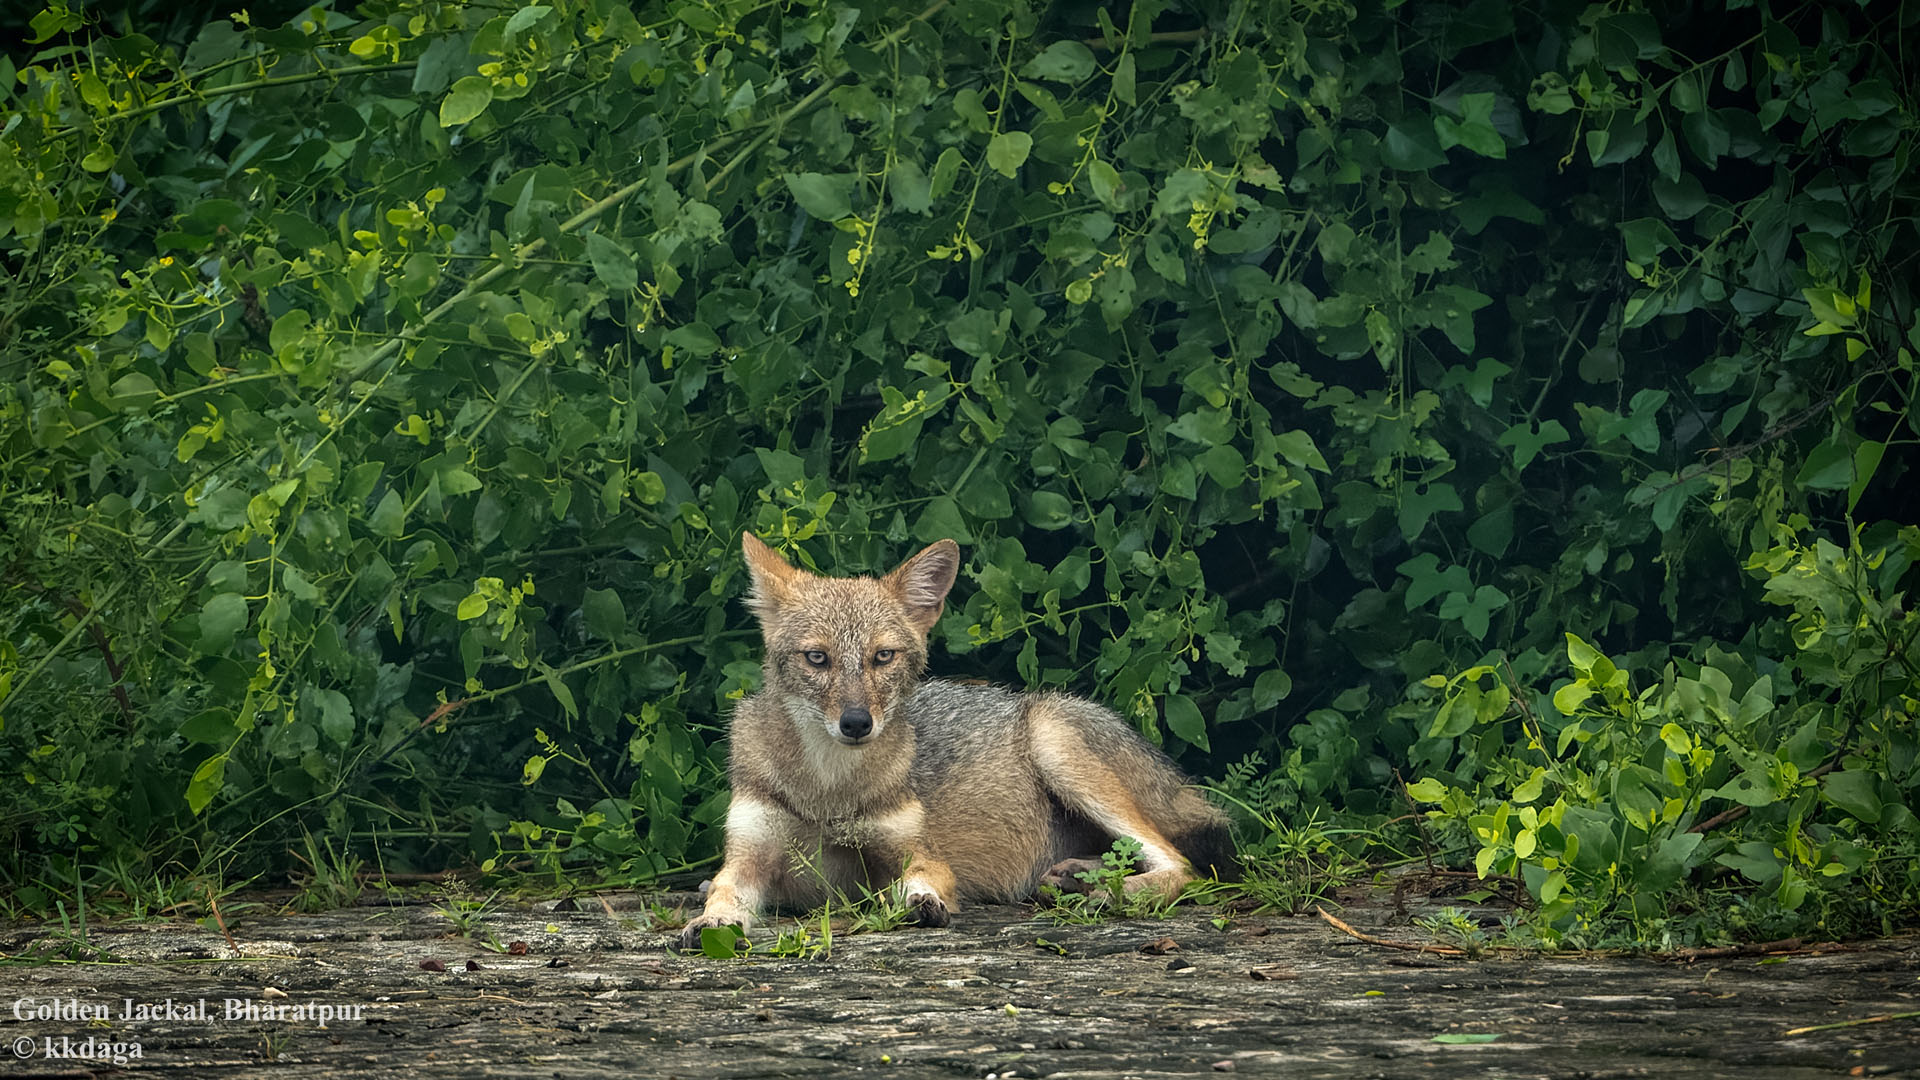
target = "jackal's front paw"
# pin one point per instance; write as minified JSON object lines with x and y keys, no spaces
{"x":690,"y":934}
{"x":927,"y":909}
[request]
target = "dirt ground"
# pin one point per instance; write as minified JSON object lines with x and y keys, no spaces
{"x":596,"y":993}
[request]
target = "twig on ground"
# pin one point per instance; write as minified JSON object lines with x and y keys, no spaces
{"x":213,"y":903}
{"x":1854,"y":1023}
{"x":1440,"y":950}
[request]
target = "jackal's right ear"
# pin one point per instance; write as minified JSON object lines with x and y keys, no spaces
{"x":773,"y":576}
{"x":922,"y":582}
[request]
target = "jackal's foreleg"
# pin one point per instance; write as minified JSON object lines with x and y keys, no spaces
{"x":926,"y":883}
{"x":759,"y":836}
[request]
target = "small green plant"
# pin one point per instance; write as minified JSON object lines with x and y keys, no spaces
{"x":1106,"y":896}
{"x":1452,"y":926}
{"x":1284,"y":867}
{"x":799,"y":942}
{"x":272,"y":1045}
{"x":802,"y":943}
{"x":876,"y":911}
{"x":332,"y":880}
{"x":459,"y":907}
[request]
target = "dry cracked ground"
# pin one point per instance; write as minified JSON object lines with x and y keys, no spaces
{"x":596,"y":993}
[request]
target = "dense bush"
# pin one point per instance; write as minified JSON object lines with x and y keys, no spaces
{"x":1494,"y":410}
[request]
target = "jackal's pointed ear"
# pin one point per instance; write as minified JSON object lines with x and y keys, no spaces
{"x":773,"y":576}
{"x":922,"y":582}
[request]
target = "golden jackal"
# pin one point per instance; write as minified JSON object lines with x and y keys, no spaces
{"x":849,"y":768}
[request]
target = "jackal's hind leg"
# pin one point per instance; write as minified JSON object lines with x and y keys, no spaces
{"x":1103,"y":772}
{"x":1065,"y":875}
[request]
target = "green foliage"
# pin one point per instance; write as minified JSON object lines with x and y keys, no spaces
{"x":1605,"y":797}
{"x":386,"y":391}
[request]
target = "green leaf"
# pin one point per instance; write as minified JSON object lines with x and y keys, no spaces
{"x":1049,"y":510}
{"x":1206,"y":426}
{"x":466,"y":101}
{"x":1474,"y":613}
{"x":945,"y":169}
{"x":985,"y":496}
{"x":976,"y":331}
{"x":1671,"y":860}
{"x":213,"y":725}
{"x":647,"y":486}
{"x":1493,"y":533}
{"x":1411,"y":146}
{"x":1062,"y":61}
{"x":1829,"y":467}
{"x":221,"y":620}
{"x":389,"y":517}
{"x":1530,"y":788}
{"x":1474,"y":130}
{"x":1527,"y":440}
{"x":720,"y":942}
{"x":524,"y":20}
{"x":1270,"y":688}
{"x":561,"y":692}
{"x":1866,"y":461}
{"x":471,"y":607}
{"x":336,"y":715}
{"x":206,"y":783}
{"x":458,"y":481}
{"x":287,"y":331}
{"x":1419,"y":504}
{"x":1857,"y":791}
{"x":1427,"y":790}
{"x":1184,"y":720}
{"x":781,"y":467}
{"x":1298,"y":448}
{"x":822,"y":196}
{"x":605,"y":615}
{"x":942,"y":520}
{"x":1682,"y":198}
{"x":1008,"y":151}
{"x":612,"y":262}
{"x":1461,"y":1038}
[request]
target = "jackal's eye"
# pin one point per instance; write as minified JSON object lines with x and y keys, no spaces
{"x":882,"y":656}
{"x":816,"y":657}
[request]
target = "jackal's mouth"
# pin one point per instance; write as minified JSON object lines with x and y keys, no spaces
{"x":846,"y":740}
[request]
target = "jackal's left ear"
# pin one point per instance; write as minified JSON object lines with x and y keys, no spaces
{"x":773,"y":576}
{"x":922,"y":582}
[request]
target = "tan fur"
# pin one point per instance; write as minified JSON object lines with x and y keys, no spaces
{"x":972,"y":793}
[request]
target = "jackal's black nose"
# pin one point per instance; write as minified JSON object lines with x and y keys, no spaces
{"x":855,"y":722}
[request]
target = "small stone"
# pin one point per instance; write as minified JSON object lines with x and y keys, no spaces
{"x":1224,"y":1066}
{"x":431,"y":964}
